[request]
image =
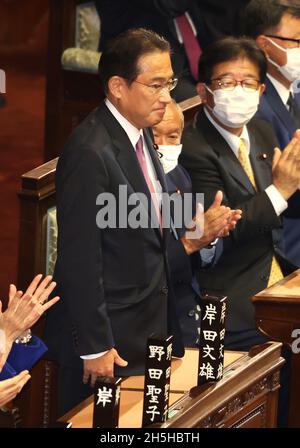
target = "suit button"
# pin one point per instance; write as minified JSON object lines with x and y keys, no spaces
{"x":165,"y":290}
{"x":191,"y":313}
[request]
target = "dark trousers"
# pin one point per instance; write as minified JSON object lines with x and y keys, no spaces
{"x":244,"y":341}
{"x":71,"y":390}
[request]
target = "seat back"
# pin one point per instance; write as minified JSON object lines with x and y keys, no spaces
{"x":36,"y":404}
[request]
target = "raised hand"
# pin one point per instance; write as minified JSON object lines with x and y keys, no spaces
{"x":24,"y":310}
{"x":11,"y":387}
{"x":286,"y":167}
{"x":217,"y":221}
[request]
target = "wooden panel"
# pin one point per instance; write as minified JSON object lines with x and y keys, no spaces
{"x":246,"y":396}
{"x":21,"y":16}
{"x":277,"y":311}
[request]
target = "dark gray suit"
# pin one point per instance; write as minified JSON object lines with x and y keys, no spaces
{"x":113,"y":283}
{"x":244,"y":266}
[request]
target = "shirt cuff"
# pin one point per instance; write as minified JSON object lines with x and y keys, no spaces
{"x":207,"y":255}
{"x":277,"y":200}
{"x":94,"y":356}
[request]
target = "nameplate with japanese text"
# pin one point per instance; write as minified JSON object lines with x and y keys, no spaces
{"x":157,"y":379}
{"x":212,"y":334}
{"x":107,"y":402}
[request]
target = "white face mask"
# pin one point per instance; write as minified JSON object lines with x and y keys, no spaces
{"x":169,"y":156}
{"x":235,"y":108}
{"x":291,"y":70}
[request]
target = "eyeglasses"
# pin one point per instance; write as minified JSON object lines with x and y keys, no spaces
{"x":249,"y":85}
{"x":157,"y":89}
{"x":290,"y":39}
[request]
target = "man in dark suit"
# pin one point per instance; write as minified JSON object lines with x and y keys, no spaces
{"x":276,"y":27}
{"x":225,"y":149}
{"x":209,"y":20}
{"x":111,"y":272}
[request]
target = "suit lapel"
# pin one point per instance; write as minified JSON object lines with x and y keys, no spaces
{"x":126,"y":157}
{"x":226,"y":156}
{"x":278,"y":106}
{"x":260,"y":165}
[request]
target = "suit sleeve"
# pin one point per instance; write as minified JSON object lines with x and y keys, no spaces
{"x":81,"y":177}
{"x":258,"y":214}
{"x":179,"y":261}
{"x":293,"y":210}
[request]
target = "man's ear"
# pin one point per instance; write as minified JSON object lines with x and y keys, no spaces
{"x":262,"y":42}
{"x":262,"y":89}
{"x":115,"y":86}
{"x":201,"y":89}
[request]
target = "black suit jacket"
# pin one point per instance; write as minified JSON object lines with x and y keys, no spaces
{"x":244,"y":266}
{"x":113,"y":283}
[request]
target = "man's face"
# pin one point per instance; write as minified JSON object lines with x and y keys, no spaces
{"x":169,"y":130}
{"x":289,"y":27}
{"x":144,"y":101}
{"x":236,"y":70}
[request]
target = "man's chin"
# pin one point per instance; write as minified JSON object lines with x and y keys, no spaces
{"x":157,"y":116}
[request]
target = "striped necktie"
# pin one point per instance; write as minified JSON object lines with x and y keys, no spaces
{"x":140,"y":153}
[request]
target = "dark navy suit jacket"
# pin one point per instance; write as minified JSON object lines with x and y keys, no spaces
{"x":272,"y":109}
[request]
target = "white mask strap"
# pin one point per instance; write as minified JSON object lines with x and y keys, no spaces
{"x":276,"y":45}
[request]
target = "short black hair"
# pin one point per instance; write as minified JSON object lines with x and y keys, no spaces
{"x":121,"y":55}
{"x":264,"y":16}
{"x":231,"y":49}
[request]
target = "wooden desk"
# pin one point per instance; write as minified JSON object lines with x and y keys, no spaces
{"x":245,"y":397}
{"x":277,"y":312}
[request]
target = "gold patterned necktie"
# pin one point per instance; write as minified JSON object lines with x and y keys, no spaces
{"x":245,"y":162}
{"x":275,"y":272}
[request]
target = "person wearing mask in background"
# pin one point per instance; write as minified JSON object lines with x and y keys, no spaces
{"x":275,"y":25}
{"x":167,"y":136}
{"x":227,"y":149}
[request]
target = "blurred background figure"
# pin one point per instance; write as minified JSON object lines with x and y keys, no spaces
{"x":189,"y":26}
{"x":275,"y":25}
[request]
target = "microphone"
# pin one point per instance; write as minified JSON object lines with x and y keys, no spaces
{"x":155,"y":146}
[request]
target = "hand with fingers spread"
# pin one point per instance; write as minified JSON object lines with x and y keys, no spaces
{"x":102,"y":366}
{"x":286,"y":167}
{"x":24,"y":310}
{"x":217,"y":221}
{"x":11,"y":387}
